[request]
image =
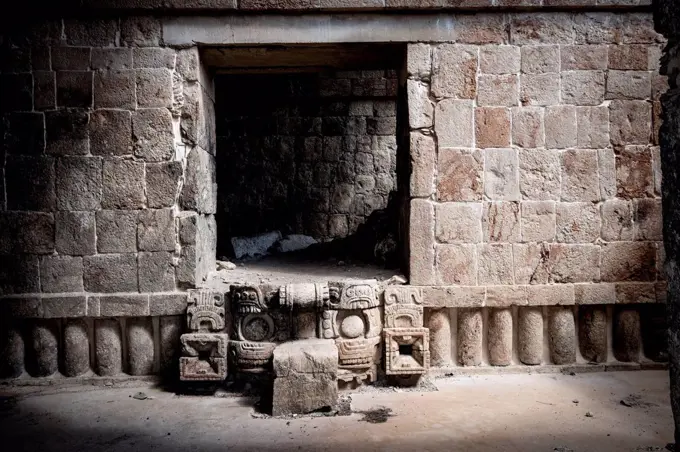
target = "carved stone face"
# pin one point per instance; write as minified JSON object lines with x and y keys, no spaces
{"x":205,"y":311}
{"x":248,"y":299}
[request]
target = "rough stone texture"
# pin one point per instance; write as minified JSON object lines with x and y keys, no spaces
{"x":12,"y":351}
{"x":152,"y":136}
{"x":577,"y":222}
{"x":108,"y":347}
{"x":460,"y":175}
{"x":628,"y":261}
{"x":592,"y":333}
{"x":156,"y":272}
{"x":562,"y":335}
{"x":461,"y":83}
{"x":305,"y":376}
{"x":458,"y":222}
{"x":110,"y":273}
{"x":123,"y":184}
{"x":499,"y":337}
{"x":140,"y":346}
{"x":470,"y":337}
{"x":170,"y":331}
{"x":501,"y":175}
{"x":61,"y":274}
{"x":66,"y":132}
{"x":421,"y":239}
{"x":456,"y":264}
{"x":156,"y":230}
{"x":76,"y":346}
{"x":453,"y":123}
{"x":44,"y":349}
{"x":79,"y":183}
{"x":110,"y":132}
{"x":423,"y":164}
{"x":538,"y":221}
{"x":626,"y":335}
{"x":116,"y":231}
{"x":492,"y":127}
{"x":501,"y":222}
{"x":539,"y":174}
{"x":440,"y":338}
{"x":75,"y":233}
{"x":530,"y":335}
{"x":495,"y":264}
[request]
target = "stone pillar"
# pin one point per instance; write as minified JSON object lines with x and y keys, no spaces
{"x":530,"y":335}
{"x":108,"y":347}
{"x":45,"y":349}
{"x":562,"y":335}
{"x":440,"y":338}
{"x":140,"y":346}
{"x":626,"y":335}
{"x":470,"y":337}
{"x":592,"y":333}
{"x":76,"y":348}
{"x":499,"y":337}
{"x":12,"y":353}
{"x":170,"y":332}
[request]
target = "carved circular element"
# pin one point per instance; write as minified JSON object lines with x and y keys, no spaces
{"x":352,"y":326}
{"x":257,"y":327}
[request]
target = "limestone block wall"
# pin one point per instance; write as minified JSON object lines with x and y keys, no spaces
{"x":108,"y":196}
{"x":306,"y":153}
{"x":536,"y":176}
{"x":667,"y":19}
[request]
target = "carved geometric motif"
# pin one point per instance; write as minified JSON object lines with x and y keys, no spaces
{"x":407,"y":351}
{"x":251,"y":356}
{"x":403,"y":307}
{"x":205,"y":311}
{"x":205,"y":357}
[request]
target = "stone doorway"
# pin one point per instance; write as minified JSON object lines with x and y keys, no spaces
{"x":309,"y":149}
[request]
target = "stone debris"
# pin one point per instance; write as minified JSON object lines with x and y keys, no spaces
{"x":635,"y":400}
{"x":377,"y":415}
{"x":395,"y":280}
{"x":257,"y":245}
{"x":225,"y":265}
{"x":294,"y":242}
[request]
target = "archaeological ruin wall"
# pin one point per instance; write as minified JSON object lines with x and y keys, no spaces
{"x":532,"y":214}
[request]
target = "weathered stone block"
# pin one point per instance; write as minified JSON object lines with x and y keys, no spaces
{"x":540,"y":89}
{"x":560,"y":127}
{"x":76,"y":346}
{"x":70,"y":58}
{"x":27,"y":232}
{"x":133,"y":305}
{"x":498,"y":90}
{"x":626,"y":335}
{"x":539,"y":174}
{"x":305,"y":376}
{"x":461,"y":83}
{"x":550,"y":295}
{"x":584,"y":57}
{"x":574,"y":263}
{"x":629,"y":57}
{"x":495,"y":264}
{"x":91,"y":32}
{"x":108,"y":347}
{"x":19,"y":274}
{"x":458,"y":222}
{"x":108,"y":59}
{"x":500,"y":222}
{"x":456,"y":264}
{"x":114,"y":89}
{"x":29,"y":182}
{"x":580,"y":175}
{"x":61,"y":274}
{"x":628,"y":261}
{"x":629,"y":85}
{"x":583,"y":87}
{"x":116,"y":231}
{"x":634,"y":172}
{"x":530,"y":335}
{"x":631,"y":122}
{"x":470,"y":337}
{"x":606,"y":160}
{"x":75,"y":233}
{"x":74,"y":89}
{"x":170,"y":331}
{"x":593,"y":127}
{"x":44,"y":90}
{"x":123,"y":184}
{"x":419,"y":60}
{"x":79,"y":183}
{"x":44,"y":349}
{"x":167,"y":304}
{"x":153,"y":135}
{"x":25,"y":133}
{"x":531,"y":263}
{"x":648,"y":220}
{"x":617,"y":220}
{"x":540,"y":59}
{"x":538,"y":221}
{"x":541,"y":28}
{"x":527,"y":127}
{"x":110,"y":132}
{"x":154,"y":57}
{"x":67,"y":132}
{"x":454,"y":123}
{"x":156,"y":272}
{"x":481,"y":28}
{"x":635,"y":293}
{"x":154,"y":88}
{"x":421,"y":239}
{"x":460,"y":175}
{"x":162,"y":183}
{"x":141,"y":31}
{"x":110,"y":273}
{"x":501,"y":174}
{"x":156,"y":230}
{"x":499,"y":337}
{"x":420,"y":107}
{"x":200,"y":188}
{"x":590,"y":294}
{"x":140,"y":346}
{"x":577,"y":222}
{"x":439,"y":325}
{"x":492,"y":127}
{"x":64,"y":306}
{"x":499,"y":59}
{"x":592,"y":333}
{"x":423,"y":162}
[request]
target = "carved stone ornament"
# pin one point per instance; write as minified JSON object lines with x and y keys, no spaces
{"x":403,"y":307}
{"x":251,"y":356}
{"x":407,"y":351}
{"x":205,"y":357}
{"x":205,"y":311}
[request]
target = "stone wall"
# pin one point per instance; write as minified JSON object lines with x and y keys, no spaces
{"x":667,"y":18}
{"x":308,"y":153}
{"x":536,"y":173}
